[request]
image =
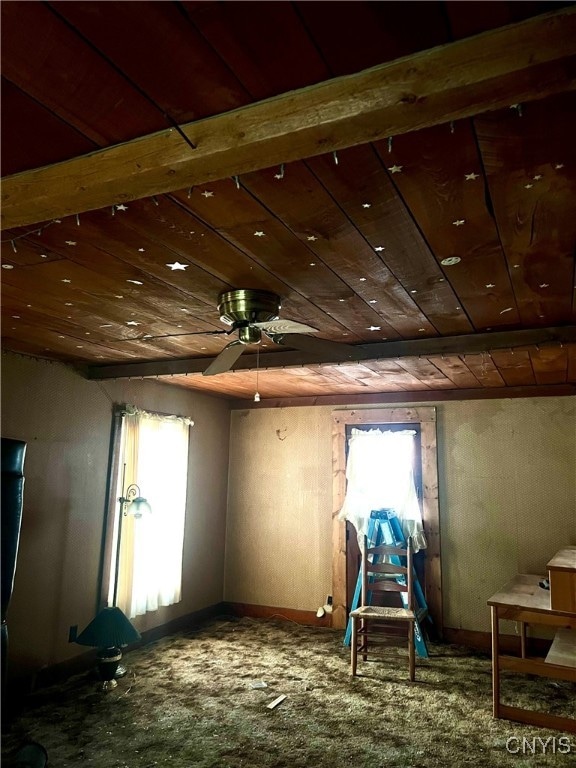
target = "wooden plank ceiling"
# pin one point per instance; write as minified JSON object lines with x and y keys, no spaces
{"x":456,"y":237}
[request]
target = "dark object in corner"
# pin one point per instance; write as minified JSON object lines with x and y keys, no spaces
{"x":544,"y":583}
{"x":32,"y":755}
{"x":13,"y":453}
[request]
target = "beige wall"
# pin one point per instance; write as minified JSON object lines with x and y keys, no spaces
{"x":507,"y":483}
{"x":278,"y":542}
{"x":66,"y":422}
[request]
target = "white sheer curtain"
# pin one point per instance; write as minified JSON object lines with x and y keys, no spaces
{"x":379,"y":473}
{"x":155,"y":451}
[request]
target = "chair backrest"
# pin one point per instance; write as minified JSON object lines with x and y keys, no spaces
{"x":377,"y":568}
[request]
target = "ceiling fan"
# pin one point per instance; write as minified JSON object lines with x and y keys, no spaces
{"x":252,"y":312}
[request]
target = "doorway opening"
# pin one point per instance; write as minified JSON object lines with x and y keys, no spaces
{"x":403,"y":457}
{"x":421,"y":420}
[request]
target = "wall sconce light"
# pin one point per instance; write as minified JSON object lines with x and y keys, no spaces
{"x":131,"y":503}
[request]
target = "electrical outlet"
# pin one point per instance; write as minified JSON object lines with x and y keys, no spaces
{"x":73,"y":633}
{"x":329,"y":600}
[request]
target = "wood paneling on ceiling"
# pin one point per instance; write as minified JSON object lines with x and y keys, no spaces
{"x":455,"y":224}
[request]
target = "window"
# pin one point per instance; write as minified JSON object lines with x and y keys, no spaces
{"x":380,"y":474}
{"x":144,"y":547}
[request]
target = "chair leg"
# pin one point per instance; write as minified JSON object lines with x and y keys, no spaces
{"x":365,"y":640}
{"x":354,"y":645}
{"x":411,"y":657}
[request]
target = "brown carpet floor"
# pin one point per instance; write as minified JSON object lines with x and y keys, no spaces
{"x":189,"y":700}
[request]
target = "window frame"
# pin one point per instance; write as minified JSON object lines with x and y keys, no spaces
{"x":112,"y":509}
{"x":425,"y":417}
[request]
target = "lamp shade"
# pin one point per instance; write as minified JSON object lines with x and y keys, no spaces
{"x":109,"y":629}
{"x":139,"y":506}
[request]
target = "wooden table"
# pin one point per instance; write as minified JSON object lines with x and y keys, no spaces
{"x":522,"y":600}
{"x":562,"y":573}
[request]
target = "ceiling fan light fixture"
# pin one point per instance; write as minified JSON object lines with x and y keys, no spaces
{"x":249,"y":334}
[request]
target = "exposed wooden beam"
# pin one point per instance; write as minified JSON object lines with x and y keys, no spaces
{"x":448,"y":345}
{"x":513,"y":64}
{"x":420,"y":396}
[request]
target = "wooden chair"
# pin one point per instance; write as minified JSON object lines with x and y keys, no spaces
{"x":368,"y":620}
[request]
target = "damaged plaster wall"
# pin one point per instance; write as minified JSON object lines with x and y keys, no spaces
{"x":507,"y":482}
{"x":508,"y":470}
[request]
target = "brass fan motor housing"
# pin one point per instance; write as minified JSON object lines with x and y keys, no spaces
{"x":245,"y":305}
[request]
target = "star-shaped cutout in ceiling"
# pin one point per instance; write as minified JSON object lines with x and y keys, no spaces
{"x":70,"y":242}
{"x":374,"y":328}
{"x":259,"y":233}
{"x":558,"y":166}
{"x":528,"y":186}
{"x":490,"y":285}
{"x":396,"y":168}
{"x":121,"y":207}
{"x":311,"y":238}
{"x":133,"y":322}
{"x":366,"y":205}
{"x":379,"y":248}
{"x":65,"y":280}
{"x":177,"y":266}
{"x":207,"y":193}
{"x":459,"y":222}
{"x":471,"y":176}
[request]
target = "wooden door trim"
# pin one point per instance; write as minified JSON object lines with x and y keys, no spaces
{"x":426,"y":418}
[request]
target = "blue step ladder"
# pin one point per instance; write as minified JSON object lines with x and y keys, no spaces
{"x":385,"y":528}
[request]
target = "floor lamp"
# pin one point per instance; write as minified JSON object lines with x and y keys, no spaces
{"x":111,"y":629}
{"x":132,"y":503}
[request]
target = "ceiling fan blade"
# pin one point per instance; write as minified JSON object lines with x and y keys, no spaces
{"x":284,"y":326}
{"x":337,"y":351}
{"x":225,"y":359}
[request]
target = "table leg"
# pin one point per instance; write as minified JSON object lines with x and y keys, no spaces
{"x":523,"y":639}
{"x":495,"y":663}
